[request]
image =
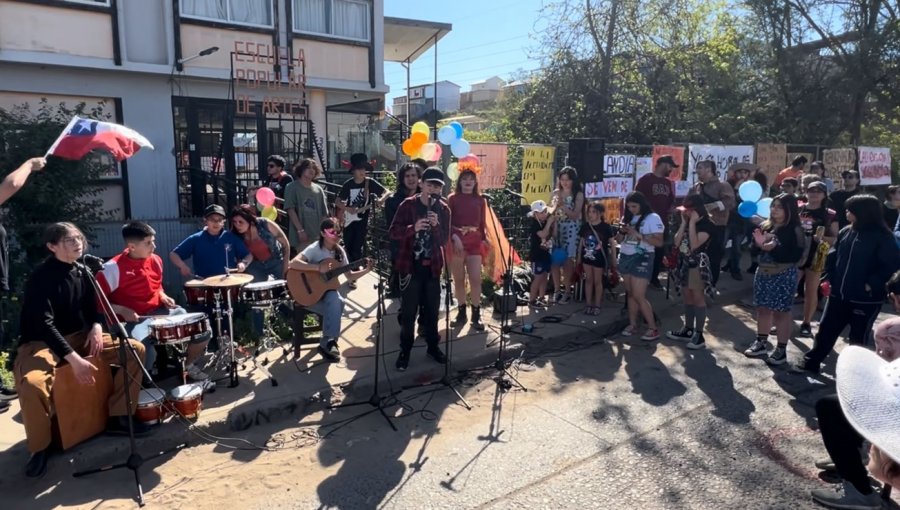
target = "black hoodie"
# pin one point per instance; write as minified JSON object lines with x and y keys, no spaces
{"x":860,"y":263}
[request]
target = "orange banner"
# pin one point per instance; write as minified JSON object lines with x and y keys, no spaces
{"x":677,"y":154}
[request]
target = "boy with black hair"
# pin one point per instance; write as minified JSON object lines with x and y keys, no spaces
{"x":790,"y":185}
{"x":278,"y":178}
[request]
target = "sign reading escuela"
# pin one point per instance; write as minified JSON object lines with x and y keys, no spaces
{"x":537,"y":172}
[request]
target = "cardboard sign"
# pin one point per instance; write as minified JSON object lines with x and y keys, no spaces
{"x":492,"y":158}
{"x":677,"y":154}
{"x":537,"y":172}
{"x":613,"y":187}
{"x":837,"y":161}
{"x":874,"y":166}
{"x":618,"y":165}
{"x":770,"y":158}
{"x":642,"y":167}
{"x":723,"y":155}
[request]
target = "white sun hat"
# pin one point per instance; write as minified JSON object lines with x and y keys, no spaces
{"x":538,"y":206}
{"x":868,"y":388}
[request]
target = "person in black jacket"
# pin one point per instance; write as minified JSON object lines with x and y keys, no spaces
{"x":858,"y":266}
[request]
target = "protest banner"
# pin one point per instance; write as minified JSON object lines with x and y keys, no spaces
{"x":612,"y":187}
{"x":682,"y":188}
{"x":492,"y":158}
{"x":618,"y":165}
{"x":642,"y":167}
{"x":837,"y":161}
{"x":537,"y":172}
{"x":677,"y":154}
{"x":770,"y":158}
{"x":723,"y":155}
{"x":874,"y":166}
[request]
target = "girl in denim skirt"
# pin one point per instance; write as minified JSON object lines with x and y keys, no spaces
{"x":640,"y":235}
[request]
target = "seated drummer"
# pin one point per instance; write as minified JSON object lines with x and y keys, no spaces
{"x":59,"y":321}
{"x":214,"y":250}
{"x":132,"y":280}
{"x":331,"y":305}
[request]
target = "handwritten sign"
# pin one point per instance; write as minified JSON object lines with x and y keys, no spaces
{"x":837,"y":161}
{"x":770,"y":158}
{"x":723,"y":155}
{"x":492,"y":159}
{"x":537,"y":172}
{"x":677,"y":154}
{"x":642,"y":167}
{"x":874,"y":166}
{"x":618,"y":165}
{"x":612,"y":187}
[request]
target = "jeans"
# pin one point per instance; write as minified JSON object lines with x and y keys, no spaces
{"x":355,"y":239}
{"x":423,"y":291}
{"x":842,"y":442}
{"x":736,"y":236}
{"x":836,"y":316}
{"x":331,"y":308}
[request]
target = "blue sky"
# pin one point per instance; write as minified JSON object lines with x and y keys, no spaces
{"x":489,"y":37}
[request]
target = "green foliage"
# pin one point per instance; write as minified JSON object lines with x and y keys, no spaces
{"x":6,"y":375}
{"x":64,"y":191}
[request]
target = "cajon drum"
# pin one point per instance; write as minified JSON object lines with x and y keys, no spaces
{"x":80,"y":410}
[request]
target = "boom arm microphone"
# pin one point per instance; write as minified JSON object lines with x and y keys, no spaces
{"x":513,"y":193}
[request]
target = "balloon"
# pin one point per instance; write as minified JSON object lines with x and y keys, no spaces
{"x":420,"y":127}
{"x":438,"y":152}
{"x":469,"y":158}
{"x":558,"y":256}
{"x":410,"y":148}
{"x":259,"y":206}
{"x":458,"y":128}
{"x":762,"y":207}
{"x":750,"y":191}
{"x":419,"y":138}
{"x":428,"y":151}
{"x":270,"y":213}
{"x":747,"y":209}
{"x":453,"y":171}
{"x":265,"y":196}
{"x":460,"y":148}
{"x":447,"y":135}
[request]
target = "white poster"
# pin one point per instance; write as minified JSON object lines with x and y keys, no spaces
{"x":682,"y":188}
{"x":618,"y":165}
{"x":613,"y":187}
{"x":874,"y":166}
{"x":642,"y":167}
{"x":723,"y":155}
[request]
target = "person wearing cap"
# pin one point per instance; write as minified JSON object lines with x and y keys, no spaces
{"x":214,"y":249}
{"x":719,"y":199}
{"x":850,"y":180}
{"x":814,"y":215}
{"x":660,"y":192}
{"x":795,"y":170}
{"x":422,"y":228}
{"x":540,"y":235}
{"x":860,"y":410}
{"x":357,"y":196}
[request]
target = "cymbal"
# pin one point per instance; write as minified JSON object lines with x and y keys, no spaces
{"x":228,"y":280}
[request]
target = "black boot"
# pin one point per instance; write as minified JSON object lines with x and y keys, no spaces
{"x":476,"y":319}
{"x":461,"y":316}
{"x":435,"y":353}
{"x":37,"y":464}
{"x":402,"y":361}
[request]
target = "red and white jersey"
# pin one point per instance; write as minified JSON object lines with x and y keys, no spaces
{"x":134,"y":283}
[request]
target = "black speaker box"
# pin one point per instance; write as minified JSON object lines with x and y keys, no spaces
{"x":586,"y":155}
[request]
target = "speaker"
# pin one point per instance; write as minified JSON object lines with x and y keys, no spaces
{"x":586,"y":155}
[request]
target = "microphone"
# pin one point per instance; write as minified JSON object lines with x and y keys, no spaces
{"x":513,"y":193}
{"x":92,"y":262}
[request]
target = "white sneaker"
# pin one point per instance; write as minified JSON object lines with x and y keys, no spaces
{"x":196,"y":374}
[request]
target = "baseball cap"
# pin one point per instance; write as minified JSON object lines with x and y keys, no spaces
{"x":214,"y":209}
{"x":667,"y":159}
{"x":821,"y":186}
{"x":433,"y":174}
{"x":850,"y":173}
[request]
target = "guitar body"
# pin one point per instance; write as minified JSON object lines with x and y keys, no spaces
{"x":308,"y":287}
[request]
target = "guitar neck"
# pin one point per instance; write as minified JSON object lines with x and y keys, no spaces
{"x":343,"y":269}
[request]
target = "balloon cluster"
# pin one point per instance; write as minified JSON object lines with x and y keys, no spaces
{"x":751,"y":192}
{"x":265,"y":201}
{"x":418,"y":146}
{"x":467,"y":162}
{"x":452,"y":135}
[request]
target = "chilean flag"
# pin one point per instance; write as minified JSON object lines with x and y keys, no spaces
{"x":84,"y":135}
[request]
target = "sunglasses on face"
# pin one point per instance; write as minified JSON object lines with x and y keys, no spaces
{"x":330,"y":232}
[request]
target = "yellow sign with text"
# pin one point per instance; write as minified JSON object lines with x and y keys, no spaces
{"x":537,"y":172}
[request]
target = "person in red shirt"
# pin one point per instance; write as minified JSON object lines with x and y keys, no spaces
{"x":795,"y":170}
{"x":468,"y":236}
{"x":660,"y":192}
{"x":132,"y":280}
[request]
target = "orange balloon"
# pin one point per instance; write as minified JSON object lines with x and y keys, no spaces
{"x":419,"y":138}
{"x":410,"y":148}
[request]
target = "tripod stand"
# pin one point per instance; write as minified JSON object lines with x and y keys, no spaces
{"x":134,"y":460}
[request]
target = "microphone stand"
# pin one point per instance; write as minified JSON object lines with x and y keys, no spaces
{"x":117,"y":331}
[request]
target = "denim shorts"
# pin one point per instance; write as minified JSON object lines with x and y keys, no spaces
{"x":540,"y":267}
{"x":639,"y":265}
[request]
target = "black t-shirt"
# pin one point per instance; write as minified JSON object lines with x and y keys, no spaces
{"x":353,"y":193}
{"x":279,"y":182}
{"x":703,"y":225}
{"x":594,"y":251}
{"x":789,"y":247}
{"x":536,"y":252}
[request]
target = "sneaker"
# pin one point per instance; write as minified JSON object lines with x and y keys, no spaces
{"x":697,"y":342}
{"x":542,"y":302}
{"x":588,"y":310}
{"x":803,"y":368}
{"x":195,"y":374}
{"x":845,"y":495}
{"x":330,"y":351}
{"x":773,"y":330}
{"x":437,"y":355}
{"x":778,"y":356}
{"x":536,"y":305}
{"x":557,"y":296}
{"x":564,"y":299}
{"x":757,"y":348}
{"x":684,"y":334}
{"x":805,"y":330}
{"x":402,"y":361}
{"x":826,"y":464}
{"x":629,"y":331}
{"x":650,"y":335}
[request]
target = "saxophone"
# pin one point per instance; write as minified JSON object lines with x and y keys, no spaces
{"x":818,"y":263}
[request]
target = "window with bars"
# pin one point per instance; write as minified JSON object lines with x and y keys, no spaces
{"x":344,"y":19}
{"x":240,"y":12}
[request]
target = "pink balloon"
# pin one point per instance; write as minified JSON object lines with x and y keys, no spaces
{"x":265,"y":196}
{"x":438,"y":152}
{"x":469,"y":158}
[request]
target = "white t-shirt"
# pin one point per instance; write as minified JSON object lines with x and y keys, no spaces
{"x":652,"y":224}
{"x":314,"y":254}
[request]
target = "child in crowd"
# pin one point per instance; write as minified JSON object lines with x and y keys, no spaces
{"x":593,"y":254}
{"x":540,"y":228}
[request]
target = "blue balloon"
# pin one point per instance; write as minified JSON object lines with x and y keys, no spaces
{"x":558,"y":256}
{"x":460,"y":148}
{"x":747,"y":209}
{"x":458,"y":128}
{"x":762,"y":207}
{"x":447,"y":135}
{"x":750,"y":191}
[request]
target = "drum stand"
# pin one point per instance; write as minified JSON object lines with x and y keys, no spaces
{"x":265,"y":343}
{"x":225,"y":354}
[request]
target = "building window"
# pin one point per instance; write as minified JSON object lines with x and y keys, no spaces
{"x":344,"y":19}
{"x":240,"y":12}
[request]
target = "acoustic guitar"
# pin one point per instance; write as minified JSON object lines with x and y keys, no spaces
{"x":308,"y":286}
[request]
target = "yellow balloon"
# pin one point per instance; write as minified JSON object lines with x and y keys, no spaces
{"x":453,"y":171}
{"x":270,"y":213}
{"x":421,"y":127}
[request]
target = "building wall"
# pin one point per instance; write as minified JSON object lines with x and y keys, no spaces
{"x":46,"y":29}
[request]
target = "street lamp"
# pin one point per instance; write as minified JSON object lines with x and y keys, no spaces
{"x":208,"y":51}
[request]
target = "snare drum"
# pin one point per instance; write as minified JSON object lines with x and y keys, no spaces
{"x":263,"y":293}
{"x":197,"y":294}
{"x":150,"y":409}
{"x":185,"y":400}
{"x":178,"y":329}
